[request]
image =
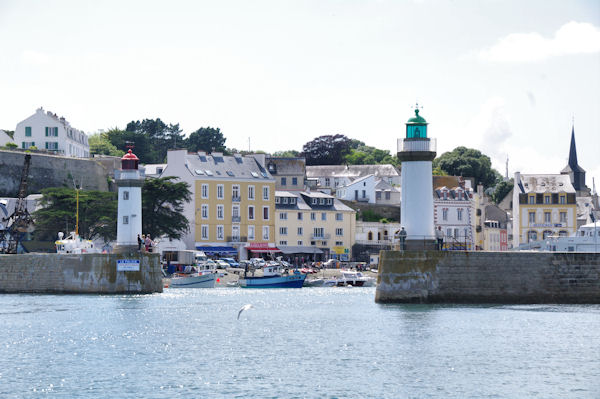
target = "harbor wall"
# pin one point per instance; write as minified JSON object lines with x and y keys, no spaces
{"x":79,"y":274}
{"x":50,"y":171}
{"x":488,"y":277}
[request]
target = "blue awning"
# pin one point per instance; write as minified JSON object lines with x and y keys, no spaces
{"x":217,"y":250}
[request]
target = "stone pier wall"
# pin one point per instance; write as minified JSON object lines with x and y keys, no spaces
{"x":488,"y":277}
{"x":79,"y":274}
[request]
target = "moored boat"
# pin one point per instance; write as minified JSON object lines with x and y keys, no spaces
{"x":194,"y":280}
{"x":273,"y":277}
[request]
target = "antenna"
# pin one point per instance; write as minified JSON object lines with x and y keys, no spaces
{"x":506,"y":177}
{"x":249,"y":144}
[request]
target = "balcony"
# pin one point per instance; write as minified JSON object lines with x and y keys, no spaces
{"x":237,"y":239}
{"x":320,"y":237}
{"x":407,"y":145}
{"x":235,"y":199}
{"x":236,"y":219}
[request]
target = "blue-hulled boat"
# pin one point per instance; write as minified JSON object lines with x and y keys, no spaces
{"x":273,"y":277}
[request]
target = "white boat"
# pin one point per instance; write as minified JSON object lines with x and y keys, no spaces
{"x":314,"y":282}
{"x":355,"y":279}
{"x":74,"y":244}
{"x":586,"y":239}
{"x":194,"y":280}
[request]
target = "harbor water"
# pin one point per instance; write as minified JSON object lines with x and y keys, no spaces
{"x":293,"y":343}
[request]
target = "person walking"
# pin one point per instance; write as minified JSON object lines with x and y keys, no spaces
{"x":139,"y":240}
{"x":402,"y":236}
{"x":439,"y":235}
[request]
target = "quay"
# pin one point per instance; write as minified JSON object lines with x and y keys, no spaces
{"x":89,"y":273}
{"x":488,"y":277}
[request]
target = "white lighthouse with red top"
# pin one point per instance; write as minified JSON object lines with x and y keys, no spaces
{"x":129,"y":219}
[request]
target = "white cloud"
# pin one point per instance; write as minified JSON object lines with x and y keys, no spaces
{"x":492,"y":128}
{"x":572,"y":38}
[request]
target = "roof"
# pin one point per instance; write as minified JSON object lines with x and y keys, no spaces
{"x":417,"y":119}
{"x":301,"y":204}
{"x":352,"y":171}
{"x":545,"y":184}
{"x":288,"y":166}
{"x":217,"y":166}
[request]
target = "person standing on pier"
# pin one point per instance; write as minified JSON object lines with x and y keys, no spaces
{"x":139,"y":240}
{"x":402,"y":236}
{"x":439,"y":235}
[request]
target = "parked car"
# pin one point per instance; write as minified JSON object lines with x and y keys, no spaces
{"x":221,"y":264}
{"x":231,"y":261}
{"x":258,"y":262}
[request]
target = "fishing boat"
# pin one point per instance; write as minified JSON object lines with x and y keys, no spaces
{"x":199,"y":279}
{"x":273,"y":277}
{"x":74,"y":244}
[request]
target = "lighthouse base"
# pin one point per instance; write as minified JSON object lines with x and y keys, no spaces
{"x":419,"y":245}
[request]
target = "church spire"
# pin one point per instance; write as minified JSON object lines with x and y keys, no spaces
{"x":575,"y":172}
{"x":573,"y":151}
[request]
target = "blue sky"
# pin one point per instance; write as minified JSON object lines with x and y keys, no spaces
{"x":505,"y":77}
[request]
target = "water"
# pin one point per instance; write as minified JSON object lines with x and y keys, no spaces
{"x":310,"y":342}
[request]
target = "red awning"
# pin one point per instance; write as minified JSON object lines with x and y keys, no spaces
{"x":261,"y":247}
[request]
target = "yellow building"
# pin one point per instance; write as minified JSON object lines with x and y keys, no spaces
{"x":232,"y":211}
{"x":313,"y":226}
{"x":543,"y":205}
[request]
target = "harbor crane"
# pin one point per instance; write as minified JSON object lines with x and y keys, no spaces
{"x":14,"y":226}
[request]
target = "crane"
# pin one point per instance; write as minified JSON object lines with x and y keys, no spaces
{"x":20,"y":221}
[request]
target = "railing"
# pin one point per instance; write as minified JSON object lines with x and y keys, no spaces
{"x":417,"y":145}
{"x":236,"y":219}
{"x":237,"y":239}
{"x":375,"y":242}
{"x":320,"y":237}
{"x":235,"y":199}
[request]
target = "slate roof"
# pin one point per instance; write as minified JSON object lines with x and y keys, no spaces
{"x":289,"y":165}
{"x":351,"y":170}
{"x":301,"y":203}
{"x":217,"y":166}
{"x":545,"y":184}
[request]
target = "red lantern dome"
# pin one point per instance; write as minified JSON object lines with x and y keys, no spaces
{"x":129,"y":161}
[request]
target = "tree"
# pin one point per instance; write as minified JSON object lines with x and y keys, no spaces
{"x":468,"y":162}
{"x":286,"y":154}
{"x":97,"y":214}
{"x":162,"y":207}
{"x":501,"y":190}
{"x":159,"y":136}
{"x":143,"y":148}
{"x":206,"y":139}
{"x":100,"y":144}
{"x":326,"y":150}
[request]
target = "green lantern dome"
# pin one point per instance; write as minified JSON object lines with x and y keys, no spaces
{"x":416,"y":127}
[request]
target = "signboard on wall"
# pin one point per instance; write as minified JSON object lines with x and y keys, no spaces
{"x":128,"y":265}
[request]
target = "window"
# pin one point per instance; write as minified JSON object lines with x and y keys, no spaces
{"x":547,"y":218}
{"x":327,"y":182}
{"x":235,"y":211}
{"x":547,"y":199}
{"x":220,"y":191}
{"x":251,"y":212}
{"x":364,"y":194}
{"x":531,"y":217}
{"x":220,"y":211}
{"x":378,"y":195}
{"x":388,"y":195}
{"x":339,"y":232}
{"x":448,"y":232}
{"x":313,"y":216}
{"x":235,"y":233}
{"x":283,"y":216}
{"x":455,"y":233}
{"x":265,"y":231}
{"x":294,"y":181}
{"x":563,"y":217}
{"x":27,"y":131}
{"x":283,"y":181}
{"x":339,"y":217}
{"x":125,"y":219}
{"x":204,"y":211}
{"x":266,"y":193}
{"x":283,"y":231}
{"x":204,"y":232}
{"x":300,"y":231}
{"x":563,"y":233}
{"x":323,"y":216}
{"x":51,"y":145}
{"x":318,"y":232}
{"x":204,"y":191}
{"x":459,"y":213}
{"x":532,"y":199}
{"x":282,"y":242}
{"x":292,"y":201}
{"x":546,"y":233}
{"x":235,"y":192}
{"x":250,"y":232}
{"x":220,"y":232}
{"x":562,"y":199}
{"x":285,"y":200}
{"x":250,"y":192}
{"x":27,"y":144}
{"x":125,"y":195}
{"x":51,"y":131}
{"x":265,"y":213}
{"x":531,"y":236}
{"x":339,"y":243}
{"x":299,"y":242}
{"x":299,"y":215}
{"x":445,"y":214}
{"x":277,"y":199}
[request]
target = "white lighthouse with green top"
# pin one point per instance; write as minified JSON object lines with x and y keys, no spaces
{"x":416,"y":152}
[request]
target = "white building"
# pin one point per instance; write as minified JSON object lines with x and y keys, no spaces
{"x":454,"y":211}
{"x":361,"y":190}
{"x":328,"y":178}
{"x":47,"y":131}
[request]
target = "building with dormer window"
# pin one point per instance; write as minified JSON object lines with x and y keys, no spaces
{"x":46,"y":131}
{"x":454,"y":210}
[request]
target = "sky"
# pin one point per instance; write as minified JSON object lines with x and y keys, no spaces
{"x":509,"y":78}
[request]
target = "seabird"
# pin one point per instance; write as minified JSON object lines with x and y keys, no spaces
{"x":245,"y":307}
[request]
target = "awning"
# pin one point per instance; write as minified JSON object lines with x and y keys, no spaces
{"x":261,"y":247}
{"x":217,"y":250}
{"x":300,"y":249}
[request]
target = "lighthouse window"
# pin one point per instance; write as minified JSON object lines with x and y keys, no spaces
{"x":125,"y":219}
{"x":125,"y":195}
